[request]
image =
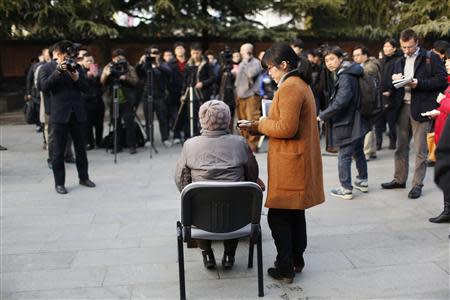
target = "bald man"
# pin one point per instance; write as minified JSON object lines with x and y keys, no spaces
{"x":247,"y":91}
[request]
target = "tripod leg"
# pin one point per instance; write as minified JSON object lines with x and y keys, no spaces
{"x":191,"y":111}
{"x":115,"y":116}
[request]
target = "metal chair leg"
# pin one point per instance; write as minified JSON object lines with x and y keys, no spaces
{"x":181,"y":261}
{"x":251,"y":247}
{"x":260,"y":266}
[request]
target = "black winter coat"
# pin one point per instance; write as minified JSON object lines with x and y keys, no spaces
{"x":93,"y":96}
{"x":387,"y":70}
{"x":30,"y":88}
{"x":46,"y":70}
{"x":65,"y":93}
{"x":175,"y":83}
{"x":345,"y":123}
{"x":161,"y":79}
{"x":423,"y":97}
{"x":202,"y":73}
{"x":442,"y":167}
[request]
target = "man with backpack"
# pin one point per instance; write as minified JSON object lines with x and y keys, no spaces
{"x":419,"y":96}
{"x":371,"y":68}
{"x":346,"y":127}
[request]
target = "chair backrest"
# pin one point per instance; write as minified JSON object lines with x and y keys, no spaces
{"x":221,"y":207}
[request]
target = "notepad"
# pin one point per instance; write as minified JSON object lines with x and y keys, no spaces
{"x":402,"y":82}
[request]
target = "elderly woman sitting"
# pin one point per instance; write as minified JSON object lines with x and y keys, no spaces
{"x":216,"y":155}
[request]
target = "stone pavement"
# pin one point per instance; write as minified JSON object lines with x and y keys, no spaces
{"x":118,"y":241}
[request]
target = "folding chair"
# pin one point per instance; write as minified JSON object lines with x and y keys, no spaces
{"x":214,"y":210}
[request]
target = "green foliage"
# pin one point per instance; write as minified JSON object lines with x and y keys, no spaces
{"x":231,"y":19}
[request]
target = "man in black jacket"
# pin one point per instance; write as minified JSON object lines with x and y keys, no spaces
{"x":392,"y":104}
{"x":121,"y":74}
{"x":199,"y":79}
{"x":65,"y":84}
{"x":95,"y":107}
{"x":419,"y":96}
{"x":151,"y":62}
{"x":47,"y":69}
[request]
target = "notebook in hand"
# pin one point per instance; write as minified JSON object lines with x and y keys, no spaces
{"x":402,"y":82}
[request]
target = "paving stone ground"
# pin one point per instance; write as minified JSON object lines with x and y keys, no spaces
{"x":118,"y":241}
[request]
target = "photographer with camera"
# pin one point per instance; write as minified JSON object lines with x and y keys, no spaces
{"x":160,"y":74}
{"x":65,"y":84}
{"x":197,"y":88}
{"x":119,"y":73}
{"x":95,"y":107}
{"x":226,"y":81}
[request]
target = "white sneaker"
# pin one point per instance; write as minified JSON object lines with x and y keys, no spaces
{"x":362,"y":185}
{"x":176,"y":141}
{"x":342,"y":193}
{"x":167,"y":144}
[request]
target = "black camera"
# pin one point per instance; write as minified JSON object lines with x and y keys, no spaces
{"x":70,"y":63}
{"x":150,"y":56}
{"x":118,"y":68}
{"x":226,"y":58}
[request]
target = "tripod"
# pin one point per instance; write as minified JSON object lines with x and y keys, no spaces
{"x":149,"y":87}
{"x":226,"y":91}
{"x":115,"y":104}
{"x":191,"y":92}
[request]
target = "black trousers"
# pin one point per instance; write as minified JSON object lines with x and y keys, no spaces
{"x":161,"y":108}
{"x":60,"y":132}
{"x":184,"y":120}
{"x":126,"y":113}
{"x":68,"y":153}
{"x":391,"y":118}
{"x":288,"y":228}
{"x":95,"y":119}
{"x":228,"y":245}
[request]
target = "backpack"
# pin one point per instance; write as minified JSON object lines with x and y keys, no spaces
{"x":370,"y":104}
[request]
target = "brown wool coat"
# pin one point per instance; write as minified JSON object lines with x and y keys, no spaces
{"x":295,"y":179}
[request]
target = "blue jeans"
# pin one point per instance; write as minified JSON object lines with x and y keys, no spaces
{"x":346,"y":153}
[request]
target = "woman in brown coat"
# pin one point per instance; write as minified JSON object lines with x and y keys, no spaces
{"x":295,"y":180}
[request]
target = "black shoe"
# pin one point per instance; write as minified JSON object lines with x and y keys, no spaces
{"x":379,"y":147}
{"x":392,"y":143}
{"x":444,"y":217}
{"x":132,"y":150}
{"x":208,"y":259}
{"x":70,"y":160}
{"x":415,"y":192}
{"x":276,"y":274}
{"x":393,"y":185}
{"x":227,"y":261}
{"x":3,"y":148}
{"x":60,"y":189}
{"x":89,"y":147}
{"x":87,"y":182}
{"x":298,"y":267}
{"x":430,"y":163}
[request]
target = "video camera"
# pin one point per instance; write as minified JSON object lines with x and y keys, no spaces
{"x":70,"y":63}
{"x":226,"y":58}
{"x":150,"y":56}
{"x":118,"y":68}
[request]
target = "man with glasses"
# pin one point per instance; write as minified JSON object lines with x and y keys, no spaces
{"x":419,"y":96}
